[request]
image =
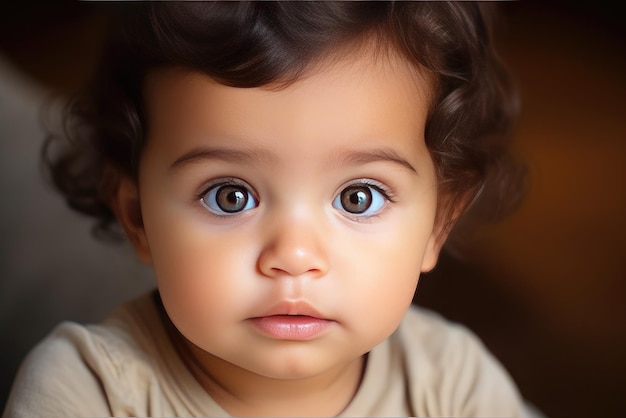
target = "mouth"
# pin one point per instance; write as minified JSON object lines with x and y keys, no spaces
{"x":292,"y":321}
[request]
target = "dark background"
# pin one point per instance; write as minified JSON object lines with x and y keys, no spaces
{"x":544,"y":289}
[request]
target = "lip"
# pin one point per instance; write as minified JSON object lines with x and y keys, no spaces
{"x":292,"y":321}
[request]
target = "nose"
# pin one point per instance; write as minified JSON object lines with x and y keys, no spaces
{"x":293,"y":247}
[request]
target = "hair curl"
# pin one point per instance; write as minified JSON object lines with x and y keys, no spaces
{"x":253,"y":44}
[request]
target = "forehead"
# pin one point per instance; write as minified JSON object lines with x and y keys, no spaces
{"x":354,"y":97}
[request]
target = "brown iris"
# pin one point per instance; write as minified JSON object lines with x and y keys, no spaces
{"x":356,"y":199}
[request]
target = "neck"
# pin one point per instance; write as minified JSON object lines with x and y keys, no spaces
{"x":244,"y":393}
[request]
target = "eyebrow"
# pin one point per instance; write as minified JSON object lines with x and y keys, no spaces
{"x":375,"y":155}
{"x":198,"y":155}
{"x":353,"y":157}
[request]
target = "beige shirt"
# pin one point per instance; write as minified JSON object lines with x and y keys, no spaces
{"x":127,"y":366}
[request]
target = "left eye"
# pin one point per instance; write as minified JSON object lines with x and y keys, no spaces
{"x":360,"y":200}
{"x":228,"y":199}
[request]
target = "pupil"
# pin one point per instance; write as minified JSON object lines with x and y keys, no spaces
{"x":356,"y":199}
{"x":231,"y":199}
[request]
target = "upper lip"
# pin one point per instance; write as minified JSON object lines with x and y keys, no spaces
{"x":286,"y":307}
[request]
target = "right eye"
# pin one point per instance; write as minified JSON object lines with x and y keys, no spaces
{"x":228,"y":199}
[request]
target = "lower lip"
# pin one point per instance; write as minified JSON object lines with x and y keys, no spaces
{"x":291,"y":327}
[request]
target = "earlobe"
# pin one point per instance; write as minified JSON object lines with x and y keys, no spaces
{"x":125,"y":204}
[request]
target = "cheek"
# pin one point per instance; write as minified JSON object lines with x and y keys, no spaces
{"x":386,"y":274}
{"x":391,"y":275}
{"x":199,"y":272}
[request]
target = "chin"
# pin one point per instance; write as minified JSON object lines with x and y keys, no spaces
{"x":284,"y":365}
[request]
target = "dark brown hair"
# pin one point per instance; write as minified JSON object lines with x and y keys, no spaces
{"x":253,"y":44}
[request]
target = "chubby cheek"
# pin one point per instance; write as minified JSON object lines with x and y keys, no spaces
{"x":200,"y":273}
{"x":386,"y":274}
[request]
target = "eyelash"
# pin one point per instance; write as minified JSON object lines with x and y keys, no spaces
{"x":383,"y":189}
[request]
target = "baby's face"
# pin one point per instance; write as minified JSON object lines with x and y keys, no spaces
{"x":288,"y":228}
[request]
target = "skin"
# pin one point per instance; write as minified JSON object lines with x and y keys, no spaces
{"x":358,"y":121}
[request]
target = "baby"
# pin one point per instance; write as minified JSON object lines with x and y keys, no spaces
{"x":288,"y":170}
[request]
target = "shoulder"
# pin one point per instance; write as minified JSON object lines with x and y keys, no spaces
{"x":438,"y":338}
{"x":450,"y":370}
{"x":80,"y":369}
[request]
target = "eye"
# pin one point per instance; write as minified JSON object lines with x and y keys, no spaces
{"x":360,"y":200}
{"x":228,"y":199}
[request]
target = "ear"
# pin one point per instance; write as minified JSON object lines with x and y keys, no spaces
{"x":450,"y":209}
{"x":125,"y":204}
{"x":433,"y":248}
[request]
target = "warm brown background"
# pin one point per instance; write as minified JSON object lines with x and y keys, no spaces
{"x":544,"y":289}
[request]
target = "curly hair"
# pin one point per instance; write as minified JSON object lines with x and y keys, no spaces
{"x":252,"y":44}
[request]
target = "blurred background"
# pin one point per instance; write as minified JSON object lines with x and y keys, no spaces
{"x":544,"y":289}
